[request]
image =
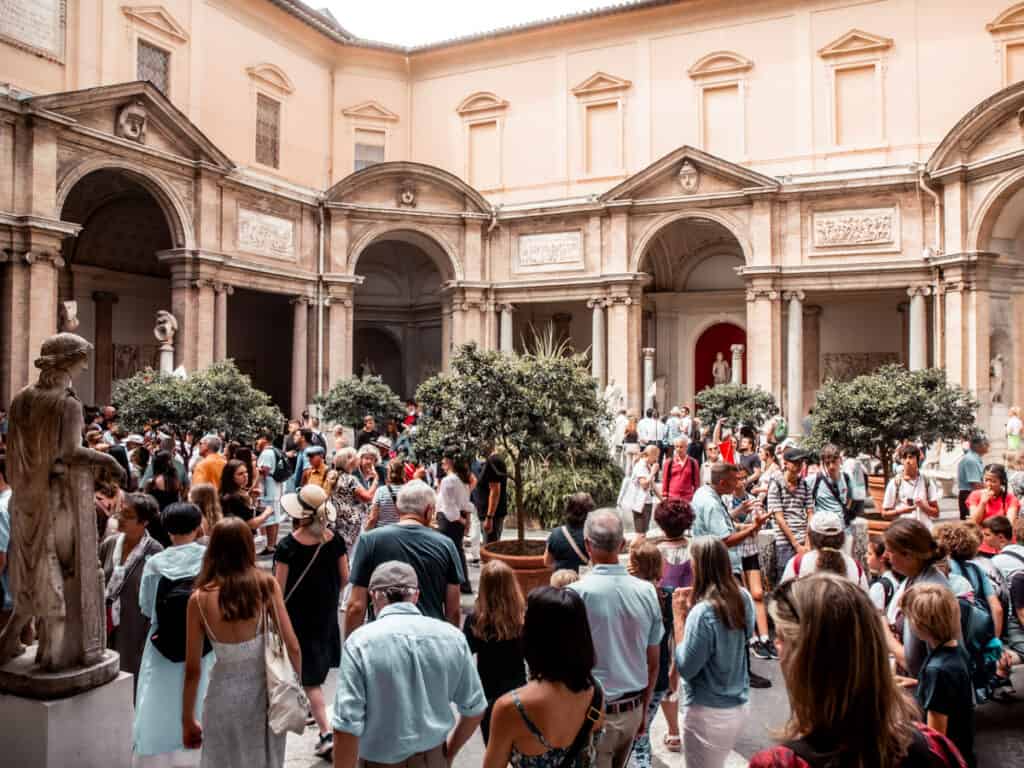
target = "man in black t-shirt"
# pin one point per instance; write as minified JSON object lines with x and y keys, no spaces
{"x":368,"y":434}
{"x":491,"y":498}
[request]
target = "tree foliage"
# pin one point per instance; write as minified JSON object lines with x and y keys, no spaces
{"x":738,"y":404}
{"x":349,"y":400}
{"x":872,"y":413}
{"x":547,"y":486}
{"x":219,"y":398}
{"x":541,"y":407}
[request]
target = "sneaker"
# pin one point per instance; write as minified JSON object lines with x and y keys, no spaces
{"x":756,"y":681}
{"x":772,"y":650}
{"x":325,"y":746}
{"x":760,"y":650}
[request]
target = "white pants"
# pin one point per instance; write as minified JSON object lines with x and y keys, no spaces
{"x":474,"y":537}
{"x":709,"y":734}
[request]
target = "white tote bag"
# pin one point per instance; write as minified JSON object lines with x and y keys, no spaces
{"x":287,"y":704}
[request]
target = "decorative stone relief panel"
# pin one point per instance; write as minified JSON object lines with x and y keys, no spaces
{"x":844,"y":366}
{"x":549,"y":252}
{"x":129,"y":359}
{"x":35,"y":25}
{"x":863,"y":230}
{"x":265,"y":234}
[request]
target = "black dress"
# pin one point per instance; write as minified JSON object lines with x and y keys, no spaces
{"x":500,"y":665}
{"x":313,"y":605}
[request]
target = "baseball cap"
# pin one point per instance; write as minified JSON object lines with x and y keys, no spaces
{"x":826,"y":523}
{"x":794,"y":454}
{"x":393,"y":574}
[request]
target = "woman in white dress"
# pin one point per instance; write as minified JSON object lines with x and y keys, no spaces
{"x":454,"y":507}
{"x":230,"y":605}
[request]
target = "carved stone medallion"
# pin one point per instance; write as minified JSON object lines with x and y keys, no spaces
{"x":407,"y":194}
{"x":131,"y":123}
{"x":689,"y":177}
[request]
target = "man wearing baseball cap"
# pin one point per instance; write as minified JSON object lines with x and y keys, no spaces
{"x":825,"y":534}
{"x":399,"y":677}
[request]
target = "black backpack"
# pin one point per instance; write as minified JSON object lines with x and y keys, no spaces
{"x":281,"y":471}
{"x":171,"y":608}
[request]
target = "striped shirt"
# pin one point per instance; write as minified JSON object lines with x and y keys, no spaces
{"x":793,"y":504}
{"x":385,"y":500}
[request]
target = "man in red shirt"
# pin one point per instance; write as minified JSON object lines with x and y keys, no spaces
{"x":680,"y":474}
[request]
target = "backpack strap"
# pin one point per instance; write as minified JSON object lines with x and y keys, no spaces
{"x":1015,"y":555}
{"x":796,"y":563}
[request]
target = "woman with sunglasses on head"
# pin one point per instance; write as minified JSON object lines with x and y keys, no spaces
{"x":828,"y":630}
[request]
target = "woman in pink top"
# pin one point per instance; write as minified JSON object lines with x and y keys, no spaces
{"x":992,"y":499}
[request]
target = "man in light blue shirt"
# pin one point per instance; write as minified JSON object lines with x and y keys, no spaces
{"x":398,"y":678}
{"x":712,"y":516}
{"x":970,"y":473}
{"x":625,"y":622}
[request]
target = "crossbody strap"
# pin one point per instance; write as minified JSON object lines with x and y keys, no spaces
{"x":592,"y":717}
{"x":574,"y":545}
{"x":304,"y":572}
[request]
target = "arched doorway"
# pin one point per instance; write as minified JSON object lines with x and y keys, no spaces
{"x":112,"y":272}
{"x":693,"y":263}
{"x":719,"y":338}
{"x":397,"y":323}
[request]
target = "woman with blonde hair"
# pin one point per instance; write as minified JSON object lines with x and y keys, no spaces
{"x":494,"y":631}
{"x":1014,"y":427}
{"x":205,"y":496}
{"x":827,"y":629}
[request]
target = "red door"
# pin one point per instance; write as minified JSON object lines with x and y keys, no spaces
{"x":718,"y":338}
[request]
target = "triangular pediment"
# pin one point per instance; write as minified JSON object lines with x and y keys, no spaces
{"x":719,"y":63}
{"x":480,"y":101}
{"x":158,"y":18}
{"x":370,"y":110}
{"x":854,"y":42}
{"x":271,"y":75}
{"x":688,"y":171}
{"x":601,"y":82}
{"x":167,"y":129}
{"x":1010,"y":20}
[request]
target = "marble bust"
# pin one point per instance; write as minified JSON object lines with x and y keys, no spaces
{"x":720,"y":370}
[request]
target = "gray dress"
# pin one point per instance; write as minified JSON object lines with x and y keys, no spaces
{"x":236,"y":733}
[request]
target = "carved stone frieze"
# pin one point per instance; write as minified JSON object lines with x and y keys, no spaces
{"x":265,"y":234}
{"x":844,"y":366}
{"x":867,"y":227}
{"x":550,"y":251}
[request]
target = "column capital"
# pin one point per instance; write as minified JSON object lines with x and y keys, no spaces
{"x":648,"y":351}
{"x":505,"y":307}
{"x":338,"y":301}
{"x":919,"y":289}
{"x":225,"y":288}
{"x":297,"y":300}
{"x":754,"y":294}
{"x":790,"y":295}
{"x":959,"y":286}
{"x":737,"y":349}
{"x":43,"y":256}
{"x":202,"y":283}
{"x":105,"y":296}
{"x":626,"y":300}
{"x":598,"y":302}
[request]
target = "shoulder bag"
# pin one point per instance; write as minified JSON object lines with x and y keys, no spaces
{"x":593,"y":716}
{"x":305,"y":570}
{"x":287,"y":703}
{"x":584,"y":560}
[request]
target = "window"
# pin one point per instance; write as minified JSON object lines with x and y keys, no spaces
{"x":484,"y":167}
{"x":722,"y":127}
{"x":602,"y":139}
{"x":369,"y":147}
{"x":268,"y":131}
{"x":154,"y":65}
{"x":856,"y":109}
{"x":1014,"y":63}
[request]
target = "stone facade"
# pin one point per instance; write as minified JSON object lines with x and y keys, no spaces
{"x":640,"y":179}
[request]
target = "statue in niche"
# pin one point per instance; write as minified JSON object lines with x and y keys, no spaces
{"x":997,"y":378}
{"x":721,"y":371}
{"x":67,"y":316}
{"x":131,"y":123}
{"x":613,"y":397}
{"x":165,"y":328}
{"x":55,"y":576}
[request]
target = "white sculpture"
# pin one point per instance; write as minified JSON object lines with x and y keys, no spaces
{"x":997,"y":378}
{"x":166,"y":327}
{"x":720,"y":371}
{"x":613,"y":397}
{"x":67,"y":313}
{"x":131,"y":123}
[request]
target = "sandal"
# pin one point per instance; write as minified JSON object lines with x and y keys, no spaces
{"x":673,"y":743}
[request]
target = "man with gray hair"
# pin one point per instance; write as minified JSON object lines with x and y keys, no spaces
{"x":398,"y":679}
{"x":625,"y":622}
{"x":210,"y":467}
{"x":411,"y":540}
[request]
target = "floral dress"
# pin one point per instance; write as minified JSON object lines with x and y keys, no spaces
{"x":352,"y":512}
{"x":553,"y":757}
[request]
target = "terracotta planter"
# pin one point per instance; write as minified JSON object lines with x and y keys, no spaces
{"x":876,"y":489}
{"x":529,"y":568}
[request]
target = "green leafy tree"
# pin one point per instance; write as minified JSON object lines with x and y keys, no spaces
{"x":219,"y":398}
{"x":349,"y":400}
{"x":531,"y":407}
{"x":737,"y":404}
{"x":872,"y":413}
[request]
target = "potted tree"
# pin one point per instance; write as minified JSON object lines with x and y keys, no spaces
{"x":737,"y":404}
{"x":352,"y":398}
{"x":531,"y":408}
{"x":872,"y":413}
{"x":219,"y":398}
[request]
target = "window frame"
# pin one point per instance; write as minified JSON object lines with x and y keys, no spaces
{"x":143,"y":39}
{"x":368,"y":127}
{"x":499,"y":139}
{"x":265,"y":93}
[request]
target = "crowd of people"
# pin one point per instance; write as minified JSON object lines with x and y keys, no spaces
{"x":343,"y":553}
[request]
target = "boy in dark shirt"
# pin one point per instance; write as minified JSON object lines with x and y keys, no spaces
{"x":944,"y":688}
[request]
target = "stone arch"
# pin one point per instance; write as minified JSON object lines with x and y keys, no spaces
{"x":727,"y":221}
{"x":176,"y":213}
{"x":691,"y":266}
{"x":416,"y":172}
{"x":974,"y":125}
{"x":979,"y":235}
{"x":441,"y":251}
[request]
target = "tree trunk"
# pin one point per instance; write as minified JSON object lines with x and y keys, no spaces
{"x":520,"y":512}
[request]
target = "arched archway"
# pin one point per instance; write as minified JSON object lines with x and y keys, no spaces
{"x":113,"y":273}
{"x":715,"y":340}
{"x":377,"y":351}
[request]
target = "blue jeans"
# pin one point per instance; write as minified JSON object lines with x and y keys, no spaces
{"x":783,"y":554}
{"x":642,"y":744}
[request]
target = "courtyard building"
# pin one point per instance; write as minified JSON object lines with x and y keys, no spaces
{"x":810,"y":189}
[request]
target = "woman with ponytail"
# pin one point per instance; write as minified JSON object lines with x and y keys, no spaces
{"x":913,"y":554}
{"x":826,"y":535}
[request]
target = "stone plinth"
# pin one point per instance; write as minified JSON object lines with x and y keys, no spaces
{"x":87,"y":730}
{"x":22,"y":677}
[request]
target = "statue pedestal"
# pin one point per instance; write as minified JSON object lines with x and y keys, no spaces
{"x":997,"y":431}
{"x":166,"y":358}
{"x":88,"y":730}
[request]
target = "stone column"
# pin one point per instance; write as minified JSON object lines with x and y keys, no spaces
{"x":764,"y":339}
{"x":737,"y":363}
{"x":795,"y":361}
{"x":956,"y":332}
{"x":339,"y":339}
{"x":103,"y":341}
{"x":300,"y":353}
{"x":506,"y":339}
{"x":918,"y":353}
{"x":648,"y":353}
{"x":597,"y":341}
{"x":205,"y":323}
{"x":812,"y":354}
{"x":220,"y":329}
